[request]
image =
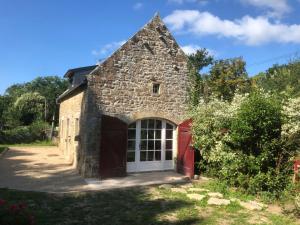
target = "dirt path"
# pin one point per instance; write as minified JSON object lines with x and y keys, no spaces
{"x":45,"y":169}
{"x":38,"y":169}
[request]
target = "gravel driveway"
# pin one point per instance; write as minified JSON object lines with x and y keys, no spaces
{"x":45,"y":169}
{"x":38,"y":169}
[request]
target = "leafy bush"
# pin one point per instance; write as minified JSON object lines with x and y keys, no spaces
{"x":15,"y":214}
{"x":257,"y":125}
{"x":24,"y":134}
{"x":245,"y":142}
{"x":211,"y":122}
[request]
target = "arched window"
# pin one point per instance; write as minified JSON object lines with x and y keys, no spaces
{"x":150,"y":145}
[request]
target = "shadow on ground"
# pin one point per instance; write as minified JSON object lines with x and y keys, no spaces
{"x":38,"y":169}
{"x":133,"y":206}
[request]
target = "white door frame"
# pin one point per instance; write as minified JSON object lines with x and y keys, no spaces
{"x":156,"y":165}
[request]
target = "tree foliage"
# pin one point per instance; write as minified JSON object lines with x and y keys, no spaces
{"x":23,"y":108}
{"x":46,"y":88}
{"x":196,"y":62}
{"x":50,"y":87}
{"x":281,"y":79}
{"x":4,"y":104}
{"x":225,"y":78}
{"x":29,"y":107}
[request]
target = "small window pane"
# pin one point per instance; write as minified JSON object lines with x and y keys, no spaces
{"x":131,"y":145}
{"x":143,"y":145}
{"x":169,"y":126}
{"x":150,"y":145}
{"x":157,"y":134}
{"x":168,"y":155}
{"x":157,"y":124}
{"x":132,"y":125}
{"x":157,"y":155}
{"x":151,"y":124}
{"x":143,"y":134}
{"x":150,"y":134}
{"x":155,"y":88}
{"x":157,"y":145}
{"x":131,"y":134}
{"x":144,"y":123}
{"x":143,"y":156}
{"x":130,"y":156}
{"x":150,"y":155}
{"x":169,"y":134}
{"x":169,"y":144}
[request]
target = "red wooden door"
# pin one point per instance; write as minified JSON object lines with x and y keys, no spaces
{"x":185,"y":157}
{"x":113,"y":147}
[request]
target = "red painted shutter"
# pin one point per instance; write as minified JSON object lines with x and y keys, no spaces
{"x":185,"y":157}
{"x":113,"y":147}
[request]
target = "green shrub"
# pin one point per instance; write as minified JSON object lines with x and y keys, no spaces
{"x":243,"y":144}
{"x":24,"y":134}
{"x":257,"y":124}
{"x":255,"y":133}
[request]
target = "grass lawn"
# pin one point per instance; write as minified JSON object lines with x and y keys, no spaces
{"x":37,"y":143}
{"x":140,"y":206}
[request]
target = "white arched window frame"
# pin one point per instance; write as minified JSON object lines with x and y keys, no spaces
{"x":151,"y":145}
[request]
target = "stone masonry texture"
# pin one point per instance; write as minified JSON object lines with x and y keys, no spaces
{"x":122,"y":86}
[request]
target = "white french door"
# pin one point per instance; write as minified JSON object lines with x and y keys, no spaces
{"x":151,"y":144}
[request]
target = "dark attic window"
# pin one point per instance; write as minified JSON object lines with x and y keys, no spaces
{"x":155,"y":89}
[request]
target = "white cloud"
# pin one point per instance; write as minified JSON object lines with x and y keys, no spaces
{"x":108,"y":48}
{"x":137,"y":6}
{"x":276,"y":8}
{"x":180,"y":2}
{"x":249,"y":30}
{"x":190,"y":49}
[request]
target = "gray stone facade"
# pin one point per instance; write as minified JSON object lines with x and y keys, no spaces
{"x":122,"y":87}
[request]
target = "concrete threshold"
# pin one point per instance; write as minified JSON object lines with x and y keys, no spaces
{"x":137,"y":179}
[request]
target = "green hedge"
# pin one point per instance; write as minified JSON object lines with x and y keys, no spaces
{"x":24,"y":134}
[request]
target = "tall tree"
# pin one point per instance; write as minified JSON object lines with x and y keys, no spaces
{"x":50,"y":87}
{"x":29,"y":107}
{"x":197,"y":61}
{"x":228,"y":76}
{"x":5,"y":101}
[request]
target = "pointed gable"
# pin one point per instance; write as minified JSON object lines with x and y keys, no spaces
{"x":146,"y":77}
{"x":146,"y":38}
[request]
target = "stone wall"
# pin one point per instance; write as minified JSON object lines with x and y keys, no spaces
{"x":70,"y":113}
{"x":90,"y":137}
{"x":122,"y":85}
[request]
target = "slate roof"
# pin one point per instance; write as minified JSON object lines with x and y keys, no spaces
{"x":69,"y":74}
{"x":86,"y":69}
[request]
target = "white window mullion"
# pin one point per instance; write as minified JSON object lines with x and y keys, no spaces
{"x":137,"y":142}
{"x":163,"y":141}
{"x":174,"y":145}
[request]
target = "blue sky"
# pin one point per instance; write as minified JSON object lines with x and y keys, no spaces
{"x":40,"y":38}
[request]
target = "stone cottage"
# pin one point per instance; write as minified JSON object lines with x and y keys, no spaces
{"x":122,"y":115}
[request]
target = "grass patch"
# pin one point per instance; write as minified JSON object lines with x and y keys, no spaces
{"x":279,"y":220}
{"x":37,"y":143}
{"x":136,"y":206}
{"x":228,"y":192}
